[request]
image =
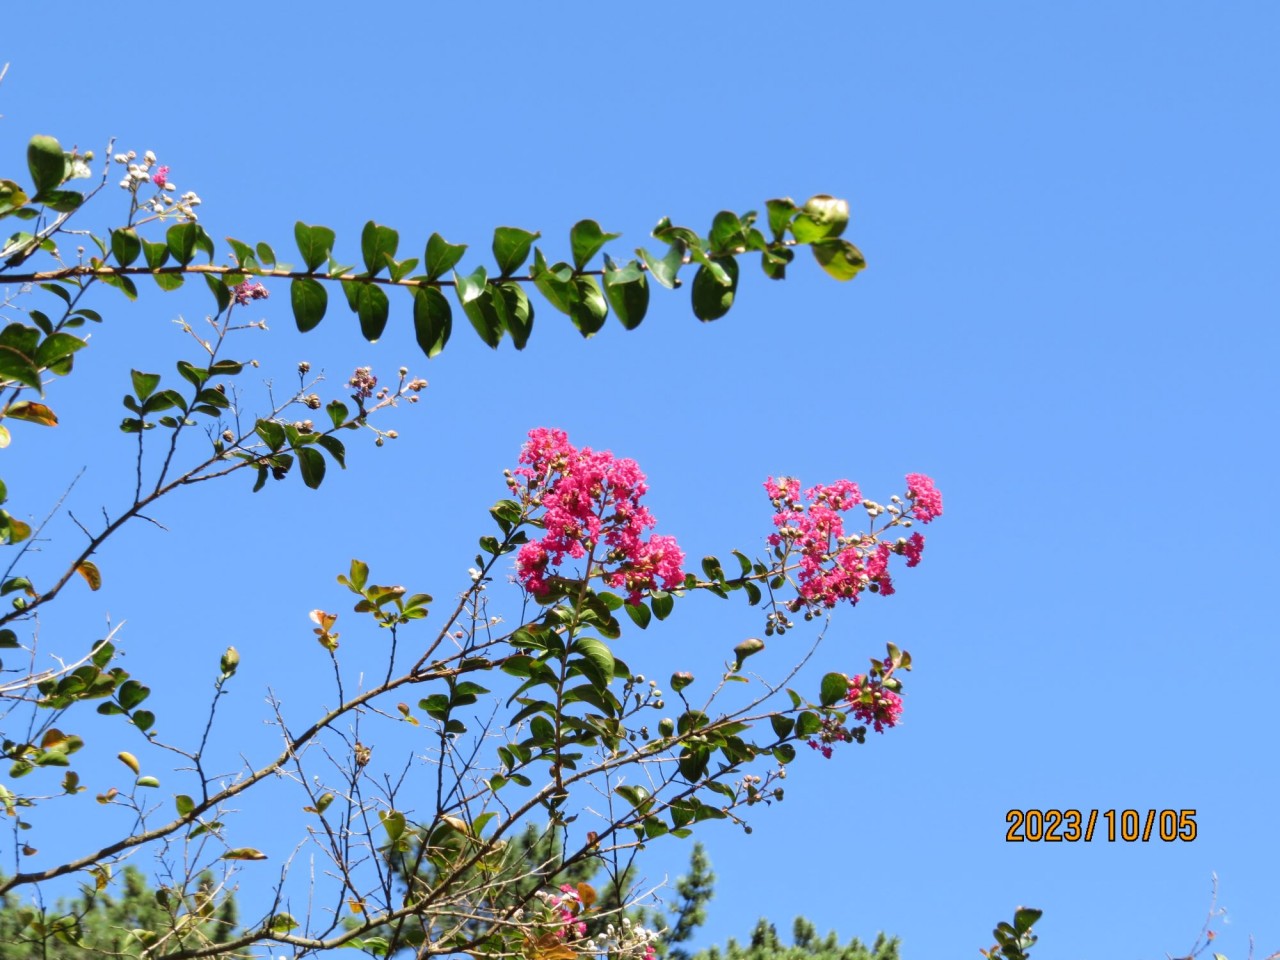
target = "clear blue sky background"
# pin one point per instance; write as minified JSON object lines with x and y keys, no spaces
{"x":1069,"y":319}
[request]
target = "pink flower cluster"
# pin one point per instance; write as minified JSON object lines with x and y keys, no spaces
{"x":160,"y":177}
{"x":591,"y":508}
{"x":925,"y":498}
{"x":246,"y":291}
{"x":567,"y":906}
{"x":835,"y":566}
{"x":870,"y":702}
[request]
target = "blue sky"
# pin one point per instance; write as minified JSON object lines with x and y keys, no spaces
{"x":1068,"y":320}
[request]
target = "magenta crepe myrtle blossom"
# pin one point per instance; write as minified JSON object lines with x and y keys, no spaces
{"x":591,"y":507}
{"x":833,"y":564}
{"x":926,"y":501}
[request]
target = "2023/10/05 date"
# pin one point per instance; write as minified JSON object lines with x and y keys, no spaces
{"x":1110,"y":825}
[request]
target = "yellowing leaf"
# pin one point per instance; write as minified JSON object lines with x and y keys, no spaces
{"x":32,"y":412}
{"x":326,"y":620}
{"x":244,"y":853}
{"x":89,"y":570}
{"x":130,"y":761}
{"x":53,"y":737}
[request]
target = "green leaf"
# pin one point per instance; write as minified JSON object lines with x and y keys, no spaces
{"x":243,"y":253}
{"x":314,"y":244}
{"x":335,"y":449}
{"x":432,"y":320}
{"x":57,"y":346}
{"x":272,"y":433}
{"x":311,"y":463}
{"x":517,"y":312}
{"x":554,"y":283}
{"x":155,"y":254}
{"x":835,"y":687}
{"x":393,"y":821}
{"x":144,"y":384}
{"x":821,"y":217}
{"x":266,"y":256}
{"x":12,"y":196}
{"x":627,"y":289}
{"x":481,"y":307}
{"x":125,"y":245}
{"x":181,"y":240}
{"x":374,"y":309}
{"x":184,"y":804}
{"x":18,"y":344}
{"x":63,"y":201}
{"x":599,"y":655}
{"x":441,"y":256}
{"x":586,"y":238}
{"x":132,"y":693}
{"x":711,"y":298}
{"x":591,"y":309}
{"x":781,"y":211}
{"x":840,"y":258}
{"x":665,"y":270}
{"x":728,"y":233}
{"x":148,"y":782}
{"x":511,"y":248}
{"x":377,"y":244}
{"x":47,"y":163}
{"x":216,"y":286}
{"x":338,"y":412}
{"x":662,"y":604}
{"x":310,"y":301}
{"x":774,"y":261}
{"x":640,"y":614}
{"x":1025,"y":917}
{"x":284,"y":922}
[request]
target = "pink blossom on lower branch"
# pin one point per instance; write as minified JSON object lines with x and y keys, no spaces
{"x":872,"y":703}
{"x":590,"y":510}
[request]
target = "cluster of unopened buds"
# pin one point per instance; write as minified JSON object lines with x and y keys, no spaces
{"x":590,"y":510}
{"x":836,"y":566}
{"x":164,"y":203}
{"x":363,"y":382}
{"x":625,"y":939}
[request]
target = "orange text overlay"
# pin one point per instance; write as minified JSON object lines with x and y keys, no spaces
{"x":1072,"y":826}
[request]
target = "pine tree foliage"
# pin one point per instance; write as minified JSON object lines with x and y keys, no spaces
{"x":805,"y":945}
{"x":99,"y":924}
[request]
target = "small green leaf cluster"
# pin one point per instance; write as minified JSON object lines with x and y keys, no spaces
{"x":374,"y":599}
{"x":206,"y":400}
{"x":1014,"y":940}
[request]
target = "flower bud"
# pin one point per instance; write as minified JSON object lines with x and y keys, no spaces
{"x":230,"y":660}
